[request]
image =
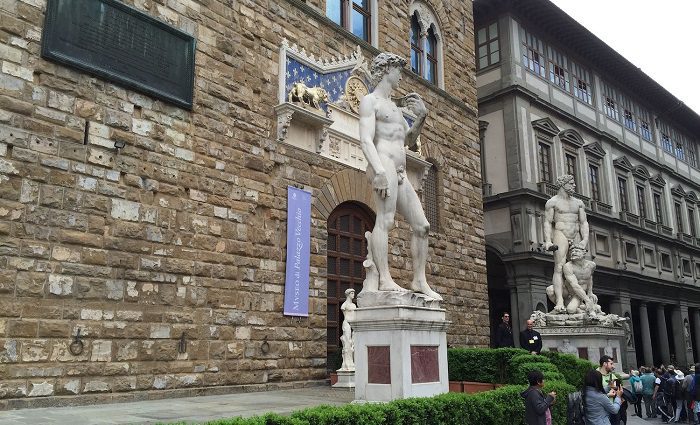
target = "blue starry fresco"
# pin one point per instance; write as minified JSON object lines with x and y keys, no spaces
{"x":333,"y":82}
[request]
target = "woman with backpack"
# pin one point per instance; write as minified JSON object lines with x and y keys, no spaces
{"x":637,"y":389}
{"x":597,"y":405}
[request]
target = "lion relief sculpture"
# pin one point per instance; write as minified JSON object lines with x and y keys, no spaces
{"x":312,"y":96}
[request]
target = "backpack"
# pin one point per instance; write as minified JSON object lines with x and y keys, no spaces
{"x":691,"y":388}
{"x":638,"y":386}
{"x":574,"y":409}
{"x":669,"y":387}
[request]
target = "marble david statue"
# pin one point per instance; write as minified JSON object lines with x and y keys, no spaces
{"x":384,"y":136}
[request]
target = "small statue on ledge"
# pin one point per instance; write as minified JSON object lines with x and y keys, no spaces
{"x":346,"y":339}
{"x":312,"y":96}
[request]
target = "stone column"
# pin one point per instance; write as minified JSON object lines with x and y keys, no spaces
{"x":646,"y":334}
{"x":687,"y":338}
{"x":514,"y":314}
{"x":696,"y":318}
{"x":678,"y":337}
{"x":663,"y":335}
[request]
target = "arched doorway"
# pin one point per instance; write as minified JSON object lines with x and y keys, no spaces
{"x":347,"y":249}
{"x":499,"y":294}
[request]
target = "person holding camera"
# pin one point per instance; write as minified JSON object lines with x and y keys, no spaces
{"x":537,"y":404}
{"x":598,"y":405}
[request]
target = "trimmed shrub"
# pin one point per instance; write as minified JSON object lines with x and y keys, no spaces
{"x":573,"y":368}
{"x":481,"y":364}
{"x":519,"y":375}
{"x":501,"y":406}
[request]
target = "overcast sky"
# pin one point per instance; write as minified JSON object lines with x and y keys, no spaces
{"x":660,"y":37}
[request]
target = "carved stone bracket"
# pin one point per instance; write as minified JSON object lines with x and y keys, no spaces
{"x":289,"y":114}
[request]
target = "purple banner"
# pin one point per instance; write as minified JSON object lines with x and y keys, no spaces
{"x":296,"y":283}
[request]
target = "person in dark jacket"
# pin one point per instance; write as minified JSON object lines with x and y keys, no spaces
{"x":530,"y":339}
{"x":504,"y":333}
{"x":536,"y":403}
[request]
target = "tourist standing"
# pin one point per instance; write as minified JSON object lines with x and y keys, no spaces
{"x":637,"y":389}
{"x":694,"y":393}
{"x":530,"y":339}
{"x":536,"y":403}
{"x":610,"y":381}
{"x":687,"y":386}
{"x":648,"y":379}
{"x":504,"y":333}
{"x":678,"y":396}
{"x":597,"y":404}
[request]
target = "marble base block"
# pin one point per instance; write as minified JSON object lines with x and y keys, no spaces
{"x":346,"y":379}
{"x":586,"y":342}
{"x":400,"y":352}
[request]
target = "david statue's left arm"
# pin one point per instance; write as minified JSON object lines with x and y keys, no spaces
{"x":415,"y":104}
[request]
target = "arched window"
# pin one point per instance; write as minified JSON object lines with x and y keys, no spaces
{"x":431,"y":201}
{"x":431,"y":56}
{"x":426,"y":44}
{"x":416,"y":46}
{"x":357,"y":16}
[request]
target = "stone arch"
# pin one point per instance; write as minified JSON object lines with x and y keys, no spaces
{"x":346,"y":185}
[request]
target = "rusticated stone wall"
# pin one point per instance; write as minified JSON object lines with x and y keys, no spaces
{"x":183,"y":230}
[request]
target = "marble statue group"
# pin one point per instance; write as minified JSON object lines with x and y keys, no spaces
{"x":566,"y":236}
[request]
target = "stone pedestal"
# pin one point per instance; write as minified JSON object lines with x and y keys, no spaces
{"x":586,"y":341}
{"x":346,"y":379}
{"x":400,"y":350}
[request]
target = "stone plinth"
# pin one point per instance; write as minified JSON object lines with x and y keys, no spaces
{"x":586,"y":341}
{"x":400,"y":352}
{"x":346,"y":379}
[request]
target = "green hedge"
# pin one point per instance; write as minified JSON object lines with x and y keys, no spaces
{"x":573,"y":368}
{"x":481,"y":364}
{"x":562,"y":373}
{"x":519,"y":375}
{"x":501,"y":406}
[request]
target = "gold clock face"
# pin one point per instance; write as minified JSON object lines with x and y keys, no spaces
{"x":355,"y":89}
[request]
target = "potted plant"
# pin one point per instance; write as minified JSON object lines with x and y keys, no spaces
{"x":334,"y":362}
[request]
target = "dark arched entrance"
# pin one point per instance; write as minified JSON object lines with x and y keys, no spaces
{"x":499,"y":294}
{"x":347,"y":249}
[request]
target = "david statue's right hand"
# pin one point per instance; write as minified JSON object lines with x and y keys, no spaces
{"x":547,"y":245}
{"x":381,"y":185}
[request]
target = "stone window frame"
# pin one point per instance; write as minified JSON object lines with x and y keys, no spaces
{"x":662,"y":266}
{"x":648,"y":248}
{"x":691,"y":199}
{"x":347,"y":7}
{"x":658,"y":184}
{"x":428,"y":22}
{"x":622,"y":170}
{"x":626,"y":244}
{"x":687,"y":272}
{"x":641,"y":177}
{"x":543,"y":141}
{"x":678,"y":219}
{"x":697,"y":270}
{"x":594,"y":154}
{"x":606,"y":236}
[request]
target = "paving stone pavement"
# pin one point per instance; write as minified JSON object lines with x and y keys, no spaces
{"x":189,"y":409}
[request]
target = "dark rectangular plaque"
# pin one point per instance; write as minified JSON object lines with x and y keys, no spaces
{"x":424,"y":364}
{"x":114,"y":41}
{"x":379,"y":365}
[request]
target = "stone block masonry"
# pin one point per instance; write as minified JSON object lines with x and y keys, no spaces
{"x":178,"y":238}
